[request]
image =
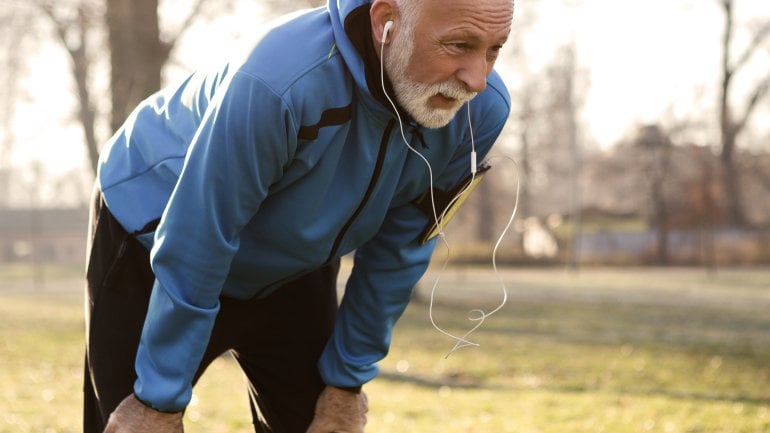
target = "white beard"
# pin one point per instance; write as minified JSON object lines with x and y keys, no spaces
{"x":412,"y":95}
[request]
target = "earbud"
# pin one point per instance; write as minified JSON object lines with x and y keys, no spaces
{"x":386,"y":30}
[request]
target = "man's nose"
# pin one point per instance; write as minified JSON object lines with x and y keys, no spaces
{"x":474,"y":74}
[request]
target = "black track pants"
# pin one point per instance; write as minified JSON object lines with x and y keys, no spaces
{"x":276,"y":341}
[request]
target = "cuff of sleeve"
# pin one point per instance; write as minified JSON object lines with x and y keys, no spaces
{"x":151,"y":407}
{"x":340,"y":371}
{"x":353,"y":389}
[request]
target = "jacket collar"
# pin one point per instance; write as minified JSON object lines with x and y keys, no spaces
{"x":358,"y":30}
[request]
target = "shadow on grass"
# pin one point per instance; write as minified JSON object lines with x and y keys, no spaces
{"x":604,"y":322}
{"x":695,"y":353}
{"x":466,"y":382}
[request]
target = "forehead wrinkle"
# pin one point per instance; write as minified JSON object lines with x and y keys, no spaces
{"x":472,"y":33}
{"x":468,"y":8}
{"x":474,"y":20}
{"x":478,"y":33}
{"x":501,"y":14}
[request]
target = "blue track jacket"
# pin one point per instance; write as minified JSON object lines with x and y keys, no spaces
{"x":273,"y":166}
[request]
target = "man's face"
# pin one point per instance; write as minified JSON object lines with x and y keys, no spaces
{"x":441,"y":60}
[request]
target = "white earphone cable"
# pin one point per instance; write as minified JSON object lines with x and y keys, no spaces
{"x":476,"y":315}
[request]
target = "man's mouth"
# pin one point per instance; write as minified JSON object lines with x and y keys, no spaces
{"x":441,"y":100}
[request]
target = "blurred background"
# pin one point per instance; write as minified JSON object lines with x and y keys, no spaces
{"x":640,"y":129}
{"x":636,"y":267}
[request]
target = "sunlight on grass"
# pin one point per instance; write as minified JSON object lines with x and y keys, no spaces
{"x":560,"y":357}
{"x":42,"y":353}
{"x":220,"y":401}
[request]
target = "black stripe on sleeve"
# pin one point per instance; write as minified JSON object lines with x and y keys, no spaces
{"x":330,"y":117}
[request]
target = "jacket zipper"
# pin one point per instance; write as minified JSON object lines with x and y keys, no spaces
{"x":369,"y":190}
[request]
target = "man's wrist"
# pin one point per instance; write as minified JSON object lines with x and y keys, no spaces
{"x":154,"y":408}
{"x":143,"y":402}
{"x":353,"y":389}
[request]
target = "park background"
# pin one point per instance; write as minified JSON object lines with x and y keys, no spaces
{"x":636,"y":267}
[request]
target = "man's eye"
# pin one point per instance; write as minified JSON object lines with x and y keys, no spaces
{"x":461,"y":46}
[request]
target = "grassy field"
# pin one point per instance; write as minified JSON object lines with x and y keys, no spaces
{"x":602,"y":350}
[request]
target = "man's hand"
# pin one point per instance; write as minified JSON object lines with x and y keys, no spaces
{"x":339,"y":411}
{"x":133,"y":416}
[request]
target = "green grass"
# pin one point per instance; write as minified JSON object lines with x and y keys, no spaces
{"x":21,"y":274}
{"x":632,"y":350}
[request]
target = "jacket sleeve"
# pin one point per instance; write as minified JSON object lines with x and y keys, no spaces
{"x":244,"y":140}
{"x":387,"y":268}
{"x":376,"y":294}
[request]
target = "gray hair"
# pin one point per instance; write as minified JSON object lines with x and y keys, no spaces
{"x":409,"y":11}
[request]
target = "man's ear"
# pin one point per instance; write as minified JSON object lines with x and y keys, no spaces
{"x":382,"y":12}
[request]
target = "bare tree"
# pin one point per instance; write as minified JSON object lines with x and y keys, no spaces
{"x":570,"y":76}
{"x":74,"y":25}
{"x":137,"y":54}
{"x":731,"y":122}
{"x":13,"y":21}
{"x":526,"y":115}
{"x":656,"y":146}
{"x":561,"y":146}
{"x":136,"y":49}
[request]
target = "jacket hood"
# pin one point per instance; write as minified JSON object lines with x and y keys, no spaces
{"x":352,"y":32}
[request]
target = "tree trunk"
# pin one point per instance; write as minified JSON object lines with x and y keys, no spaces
{"x":661,"y":162}
{"x":81,"y":67}
{"x":11,"y":75}
{"x":575,"y":159}
{"x":137,"y":54}
{"x":731,"y":182}
{"x":728,"y":127}
{"x":527,"y":116}
{"x":74,"y":35}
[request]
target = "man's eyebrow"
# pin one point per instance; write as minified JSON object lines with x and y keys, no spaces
{"x":472,"y":36}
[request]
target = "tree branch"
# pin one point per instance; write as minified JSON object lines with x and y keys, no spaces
{"x":756,"y":41}
{"x":81,"y":65}
{"x":59,"y":25}
{"x":759,"y":92}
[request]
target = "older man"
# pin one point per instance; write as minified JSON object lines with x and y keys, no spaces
{"x":225,"y":202}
